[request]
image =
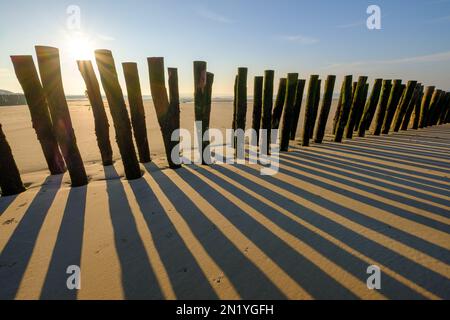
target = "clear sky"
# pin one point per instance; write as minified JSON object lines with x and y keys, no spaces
{"x":320,"y":37}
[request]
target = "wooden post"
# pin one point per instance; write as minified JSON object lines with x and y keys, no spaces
{"x":233,"y":123}
{"x":310,"y":102}
{"x":266,"y":120}
{"x":411,"y":107}
{"x":438,"y":108}
{"x":433,"y":106}
{"x":241,"y":107}
{"x":291,"y":87}
{"x":315,"y":110}
{"x":445,"y":108}
{"x":257,"y":105}
{"x":392,"y":105}
{"x":370,"y":108}
{"x":117,"y":107}
{"x":338,"y":110}
{"x":167,"y":111}
{"x":200,"y":79}
{"x":37,"y":104}
{"x":297,"y":106}
{"x":403,"y":107}
{"x":98,"y":109}
{"x":10,"y":181}
{"x":207,"y":111}
{"x":426,"y":99}
{"x":361,"y":110}
{"x":417,"y":109}
{"x":137,"y":112}
{"x":346,"y":95}
{"x":382,"y":106}
{"x":356,"y":105}
{"x":50,"y":71}
{"x":279,"y":104}
{"x":325,"y":109}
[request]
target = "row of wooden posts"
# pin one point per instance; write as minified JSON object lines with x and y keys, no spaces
{"x":391,"y":103}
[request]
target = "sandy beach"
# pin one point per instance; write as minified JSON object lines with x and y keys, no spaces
{"x":225,"y":231}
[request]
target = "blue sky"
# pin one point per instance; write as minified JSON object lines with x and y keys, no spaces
{"x":320,"y":37}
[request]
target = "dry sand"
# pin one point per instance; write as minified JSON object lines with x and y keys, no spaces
{"x":309,"y":232}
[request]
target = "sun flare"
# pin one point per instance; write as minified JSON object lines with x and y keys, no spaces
{"x":80,"y":47}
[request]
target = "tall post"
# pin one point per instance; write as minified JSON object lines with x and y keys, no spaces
{"x":426,"y":99}
{"x":325,"y":109}
{"x":361,"y":110}
{"x":346,"y":95}
{"x":200,"y":78}
{"x":403,"y":107}
{"x":310,"y":102}
{"x":10,"y":181}
{"x":233,"y":122}
{"x":50,"y":71}
{"x":297,"y":106}
{"x":279,"y":104}
{"x":338,"y":109}
{"x":266,"y":120}
{"x":207,"y":111}
{"x":382,"y":106}
{"x":257,"y":105}
{"x":137,"y":112}
{"x":291,"y":86}
{"x":411,"y":107}
{"x":119,"y":114}
{"x":40,"y":117}
{"x":356,"y":106}
{"x":392,"y":105}
{"x":438,"y":108}
{"x":445,"y":108}
{"x":241,"y":107}
{"x":370,"y":108}
{"x":98,"y":109}
{"x":433,"y":106}
{"x":417,"y":109}
{"x":167,"y":111}
{"x":315,"y":110}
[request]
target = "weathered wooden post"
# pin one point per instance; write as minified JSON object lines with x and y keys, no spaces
{"x":411,"y":107}
{"x":98,"y":109}
{"x":137,"y":112}
{"x":338,"y":110}
{"x":291,"y":86}
{"x":310,"y":102}
{"x":167,"y":111}
{"x":392,"y":105}
{"x":426,"y":99}
{"x":37,"y":104}
{"x":369,"y":109}
{"x":433,"y":106}
{"x":207,"y":111}
{"x":346,"y":96}
{"x":297,"y":106}
{"x":356,"y":105}
{"x":417,"y":109}
{"x":266,"y":120}
{"x":315,"y":110}
{"x":119,"y":114}
{"x":50,"y":71}
{"x":279,"y":103}
{"x":445,"y":108}
{"x":403,"y":107}
{"x":233,"y":122}
{"x":438,"y":108}
{"x":363,"y":104}
{"x":257,"y":105}
{"x":10,"y":181}
{"x":382,"y":106}
{"x":325,"y":109}
{"x":241,"y":104}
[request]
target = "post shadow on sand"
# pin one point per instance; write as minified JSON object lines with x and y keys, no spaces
{"x":425,"y":277}
{"x":17,"y":252}
{"x":315,"y":281}
{"x":317,"y":161}
{"x":246,"y":278}
{"x":138,"y":277}
{"x":415,"y":141}
{"x":352,"y":264}
{"x":68,"y":246}
{"x":404,"y":147}
{"x":366,"y":199}
{"x":187,"y":279}
{"x":5,"y":202}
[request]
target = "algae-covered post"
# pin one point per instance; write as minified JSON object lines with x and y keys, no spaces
{"x":338,"y":110}
{"x":396,"y":93}
{"x":37,"y":104}
{"x":403,"y":107}
{"x":266,"y":120}
{"x":257,"y":105}
{"x":370,"y":107}
{"x":382,"y":106}
{"x":297,"y":106}
{"x":310,"y":103}
{"x":411,"y":106}
{"x":279,"y":104}
{"x":361,"y":110}
{"x":137,"y":112}
{"x":10,"y":181}
{"x":118,"y":110}
{"x":325,"y":109}
{"x":50,"y":71}
{"x":315,"y":110}
{"x":426,"y":99}
{"x":417,"y":109}
{"x":356,"y":106}
{"x":291,"y":87}
{"x":346,"y":95}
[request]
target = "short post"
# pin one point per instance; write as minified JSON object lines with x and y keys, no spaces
{"x":445,"y":108}
{"x":266,"y":120}
{"x":382,"y":106}
{"x":10,"y":181}
{"x":98,"y":109}
{"x":411,"y":107}
{"x":279,"y":104}
{"x":37,"y":105}
{"x":394,"y":98}
{"x":315,"y":110}
{"x":426,"y":99}
{"x":297,"y":106}
{"x":356,"y":106}
{"x":50,"y":71}
{"x":257,"y":105}
{"x":338,"y":110}
{"x":361,"y":110}
{"x":433,"y":106}
{"x":310,"y":102}
{"x":345,"y":109}
{"x":291,"y":87}
{"x":403,"y":107}
{"x":119,"y":114}
{"x":137,"y":112}
{"x":167,"y":111}
{"x":417,"y":109}
{"x":438,"y":108}
{"x":325,"y":109}
{"x":370,"y":108}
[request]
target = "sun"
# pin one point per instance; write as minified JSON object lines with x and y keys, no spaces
{"x":80,"y":46}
